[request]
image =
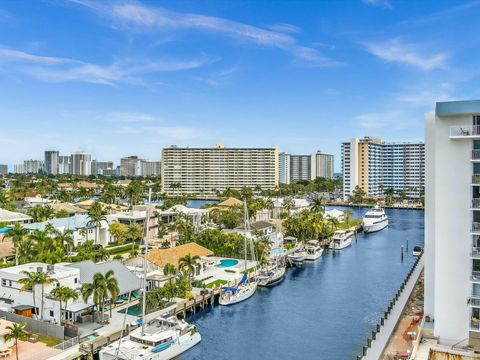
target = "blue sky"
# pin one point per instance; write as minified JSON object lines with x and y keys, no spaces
{"x":127,"y":77}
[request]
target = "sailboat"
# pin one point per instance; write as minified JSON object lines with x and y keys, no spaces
{"x":162,"y":338}
{"x":246,"y":287}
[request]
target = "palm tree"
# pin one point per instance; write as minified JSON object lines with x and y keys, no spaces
{"x":63,"y":294}
{"x":28,"y":283}
{"x":188,"y":264}
{"x":43,"y":279}
{"x":101,"y":287}
{"x":317,"y":205}
{"x":96,"y":216}
{"x":288,"y":204}
{"x":170,"y":270}
{"x":134,"y":233}
{"x":348,"y":214}
{"x":25,"y":251}
{"x":16,"y":332}
{"x":18,"y":233}
{"x":63,"y":239}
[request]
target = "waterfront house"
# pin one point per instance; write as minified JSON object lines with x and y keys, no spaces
{"x":11,"y":217}
{"x":229,"y":202}
{"x":334,"y":214}
{"x":195,"y":216}
{"x":21,"y":302}
{"x":160,"y":257}
{"x":70,"y":209}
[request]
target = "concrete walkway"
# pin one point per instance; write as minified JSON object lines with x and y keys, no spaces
{"x":376,"y":349}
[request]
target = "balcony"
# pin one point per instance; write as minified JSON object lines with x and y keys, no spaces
{"x":464,"y":132}
{"x":475,"y":276}
{"x":475,"y":155}
{"x":476,"y":203}
{"x":476,"y":227}
{"x":474,"y":301}
{"x":474,"y":325}
{"x":476,"y":179}
{"x":475,"y":253}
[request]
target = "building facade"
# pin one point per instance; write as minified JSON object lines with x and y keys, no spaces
{"x":64,"y":164}
{"x":284,"y":168}
{"x":3,"y":169}
{"x":32,"y":166}
{"x":374,"y":166}
{"x":81,"y":164}
{"x":322,"y":165}
{"x":206,"y":171}
{"x":452,"y":222}
{"x":98,"y":167}
{"x":51,"y":162}
{"x":300,"y":167}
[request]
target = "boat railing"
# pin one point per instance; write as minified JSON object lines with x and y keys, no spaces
{"x":476,"y":227}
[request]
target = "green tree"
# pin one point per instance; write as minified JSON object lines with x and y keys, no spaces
{"x":134,"y":192}
{"x":358,"y":195}
{"x":188,"y":264}
{"x":43,"y":279}
{"x":171,"y":271}
{"x":18,"y":234}
{"x":134,"y":233}
{"x":29,"y":282}
{"x":63,"y":294}
{"x":119,"y":231}
{"x":348,"y":214}
{"x":96,"y":216}
{"x":101,"y":288}
{"x":25,"y":251}
{"x":16,"y":332}
{"x":317,"y":205}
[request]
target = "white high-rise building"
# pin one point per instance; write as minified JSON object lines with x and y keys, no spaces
{"x":452,"y":222}
{"x":208,"y":170}
{"x":98,"y":167}
{"x":51,"y":162}
{"x":64,"y":164}
{"x":322,"y":165}
{"x":374,"y":166}
{"x":81,"y":164}
{"x":284,"y":168}
{"x":32,"y":166}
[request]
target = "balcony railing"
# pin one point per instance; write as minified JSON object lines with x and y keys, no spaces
{"x":474,"y":301}
{"x":474,"y":325}
{"x":475,"y":276}
{"x":476,"y":179}
{"x":475,"y":154}
{"x":465,"y":131}
{"x":475,"y":252}
{"x":476,"y":203}
{"x":476,"y":227}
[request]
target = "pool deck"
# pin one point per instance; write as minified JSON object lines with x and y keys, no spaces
{"x":233,"y":274}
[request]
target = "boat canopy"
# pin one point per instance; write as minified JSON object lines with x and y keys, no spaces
{"x":227,"y":288}
{"x":244,"y":278}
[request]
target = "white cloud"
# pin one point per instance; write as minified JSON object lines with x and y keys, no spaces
{"x":138,"y":16}
{"x":372,"y":121}
{"x":382,"y":3}
{"x":58,"y":69}
{"x":396,"y":51}
{"x":285,"y":28}
{"x":127,"y":117}
{"x":218,"y":78}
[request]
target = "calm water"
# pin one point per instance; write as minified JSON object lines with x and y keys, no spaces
{"x":325,"y":310}
{"x":191,"y":203}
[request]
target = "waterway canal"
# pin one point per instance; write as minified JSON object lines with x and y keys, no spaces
{"x":325,"y":310}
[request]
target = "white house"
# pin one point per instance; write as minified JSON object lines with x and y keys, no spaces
{"x":12,"y":217}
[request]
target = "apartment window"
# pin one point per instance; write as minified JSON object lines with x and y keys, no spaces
{"x":4,"y":282}
{"x":75,"y":280}
{"x":51,"y":313}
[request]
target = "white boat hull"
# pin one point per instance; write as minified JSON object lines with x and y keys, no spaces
{"x":369,"y":227}
{"x":315,"y":255}
{"x":175,"y":350}
{"x":245,"y":293}
{"x":274,"y":279}
{"x":341,"y":245}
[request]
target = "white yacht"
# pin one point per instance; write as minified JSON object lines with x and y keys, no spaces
{"x":246,"y":287}
{"x":375,"y":220}
{"x":313,"y":249}
{"x":341,"y":239}
{"x":272,"y":276}
{"x":417,"y":251}
{"x":298,"y":256}
{"x":162,"y":339}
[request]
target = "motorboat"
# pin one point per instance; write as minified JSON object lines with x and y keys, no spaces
{"x":374,"y":219}
{"x":245,"y":289}
{"x":341,"y":239}
{"x":417,"y":251}
{"x":298,"y":256}
{"x":163,"y":338}
{"x":313,"y":249}
{"x":271,"y":277}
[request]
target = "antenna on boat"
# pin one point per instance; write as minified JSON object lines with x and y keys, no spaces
{"x":145,"y":243}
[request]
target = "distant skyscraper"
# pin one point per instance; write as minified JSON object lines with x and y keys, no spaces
{"x":3,"y":169}
{"x":131,"y":166}
{"x":98,"y":167}
{"x":32,"y":166}
{"x":81,"y":164}
{"x":300,"y":167}
{"x":18,"y":169}
{"x":284,"y":168}
{"x":64,"y":164}
{"x":374,"y":165}
{"x":51,"y":162}
{"x":322,"y":165}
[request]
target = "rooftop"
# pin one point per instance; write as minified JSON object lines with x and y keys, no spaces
{"x":57,"y":271}
{"x":75,"y":222}
{"x":448,"y":108}
{"x":172,"y":256}
{"x":6,"y":215}
{"x":69,"y":208}
{"x":231,"y":201}
{"x":257,"y":225}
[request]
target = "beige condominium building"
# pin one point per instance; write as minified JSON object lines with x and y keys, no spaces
{"x":206,"y":171}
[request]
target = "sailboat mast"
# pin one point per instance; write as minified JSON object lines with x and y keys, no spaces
{"x":145,"y":244}
{"x":245,"y":219}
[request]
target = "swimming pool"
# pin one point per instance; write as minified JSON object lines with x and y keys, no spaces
{"x":227,"y":263}
{"x":277,"y":251}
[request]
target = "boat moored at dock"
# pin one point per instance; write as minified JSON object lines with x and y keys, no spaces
{"x":374,"y":219}
{"x":341,"y":239}
{"x":313,"y":249}
{"x":163,"y":339}
{"x":272,"y":276}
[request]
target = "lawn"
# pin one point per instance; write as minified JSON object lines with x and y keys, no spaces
{"x":351,"y":223}
{"x":49,"y":340}
{"x":216,"y":283}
